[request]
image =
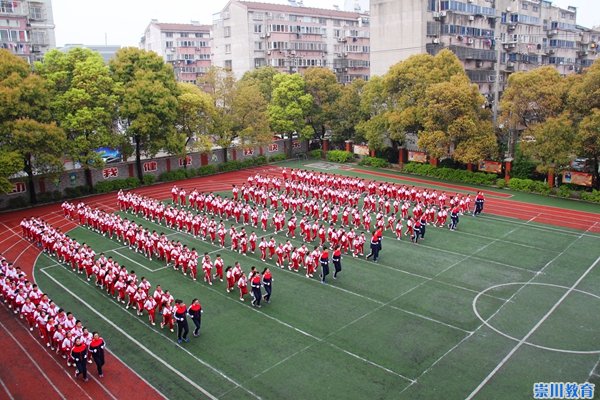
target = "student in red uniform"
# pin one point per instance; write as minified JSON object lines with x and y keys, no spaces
{"x":230,"y":279}
{"x":243,"y":286}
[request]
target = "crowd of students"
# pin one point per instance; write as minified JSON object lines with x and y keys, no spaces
{"x":119,"y":283}
{"x":60,"y":330}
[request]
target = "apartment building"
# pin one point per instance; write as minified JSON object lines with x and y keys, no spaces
{"x":524,"y":34}
{"x":187,"y":47}
{"x":107,"y":51}
{"x":27,"y":28}
{"x":291,"y":38}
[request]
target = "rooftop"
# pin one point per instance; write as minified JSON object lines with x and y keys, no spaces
{"x":252,"y":5}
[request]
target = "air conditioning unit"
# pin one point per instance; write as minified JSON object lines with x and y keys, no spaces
{"x":443,"y":14}
{"x":553,"y":32}
{"x":436,"y":15}
{"x":511,"y":27}
{"x":344,"y":54}
{"x":262,"y":35}
{"x":551,"y":51}
{"x":470,"y":41}
{"x":341,"y":39}
{"x":508,"y":9}
{"x":510,"y":65}
{"x":345,"y":69}
{"x":436,"y":41}
{"x":268,"y":34}
{"x":269,"y":52}
{"x":471,"y":18}
{"x":478,"y":64}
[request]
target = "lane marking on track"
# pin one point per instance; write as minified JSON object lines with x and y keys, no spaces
{"x":8,"y":393}
{"x":33,"y":362}
{"x":531,"y":332}
{"x":144,"y":348}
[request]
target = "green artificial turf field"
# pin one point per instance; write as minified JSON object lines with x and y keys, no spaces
{"x":486,"y":311}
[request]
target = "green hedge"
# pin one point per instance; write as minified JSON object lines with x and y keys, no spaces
{"x":339,"y":156}
{"x":116,"y":184}
{"x":529,"y":185}
{"x":449,"y":174}
{"x":277,"y":157}
{"x":374,"y":162}
{"x":149,"y":179}
{"x":317,"y":153}
{"x":593,"y":196}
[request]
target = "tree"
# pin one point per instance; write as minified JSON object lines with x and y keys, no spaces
{"x":374,"y":106}
{"x":147,"y":101}
{"x":347,"y":112}
{"x":40,"y":145}
{"x":531,"y":97}
{"x":399,"y":97}
{"x":587,"y":141}
{"x":552,"y":147}
{"x":195,"y":118}
{"x":250,"y":118}
{"x":289,"y":108}
{"x":83,"y":103}
{"x":28,"y":141}
{"x":456,"y":124}
{"x":263,"y":77}
{"x":322,"y":85}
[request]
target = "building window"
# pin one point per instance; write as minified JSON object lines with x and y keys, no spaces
{"x":227,"y":49}
{"x":198,"y":34}
{"x":524,"y":6}
{"x":35,"y":11}
{"x":259,"y":62}
{"x":228,"y":64}
{"x":227,"y":31}
{"x":169,"y":44}
{"x":258,"y":46}
{"x":257,"y":28}
{"x":169,"y":34}
{"x":183,"y":34}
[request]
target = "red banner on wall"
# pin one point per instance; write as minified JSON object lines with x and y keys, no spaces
{"x":111,"y":172}
{"x":577,"y":178}
{"x":494,"y":167}
{"x":273,"y":147}
{"x":19,"y":187}
{"x":188,"y":160}
{"x":417,"y":156}
{"x":248,"y":152}
{"x":150,"y":166}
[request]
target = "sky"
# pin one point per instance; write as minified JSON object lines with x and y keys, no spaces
{"x":122,"y":22}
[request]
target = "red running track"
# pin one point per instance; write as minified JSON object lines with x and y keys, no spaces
{"x":53,"y":380}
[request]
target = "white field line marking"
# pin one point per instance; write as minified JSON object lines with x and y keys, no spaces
{"x":593,"y":371}
{"x":543,"y":228}
{"x":133,"y":261}
{"x":531,"y":332}
{"x":33,"y":362}
{"x":10,"y":396}
{"x":465,"y":258}
{"x":497,"y":311}
{"x":132,"y":339}
{"x":506,"y":301}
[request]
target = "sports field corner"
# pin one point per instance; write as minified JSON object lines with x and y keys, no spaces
{"x":508,"y":300}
